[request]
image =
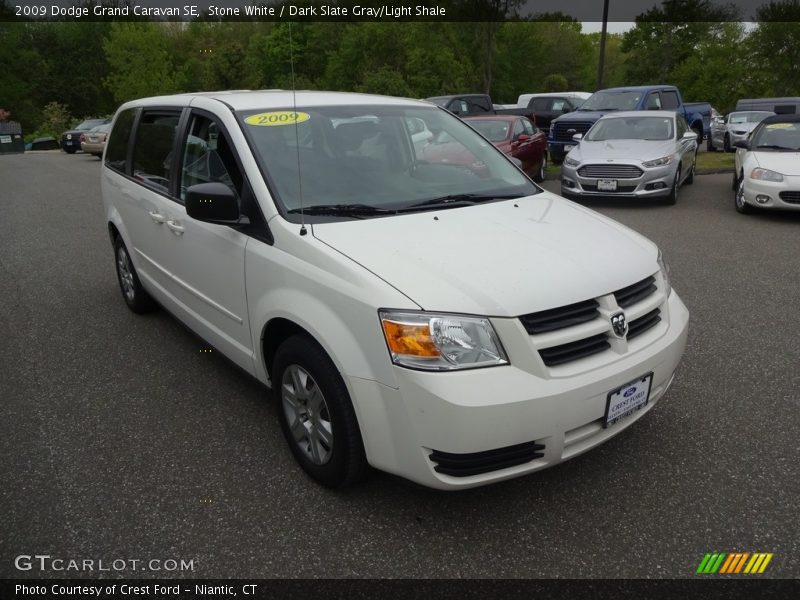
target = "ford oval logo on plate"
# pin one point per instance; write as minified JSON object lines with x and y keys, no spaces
{"x":630,"y":391}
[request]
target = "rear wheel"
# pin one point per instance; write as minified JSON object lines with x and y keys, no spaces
{"x":726,"y":143}
{"x":690,"y":177}
{"x":317,"y":416}
{"x":710,"y":144}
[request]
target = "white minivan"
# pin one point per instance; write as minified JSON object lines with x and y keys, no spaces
{"x":443,"y":319}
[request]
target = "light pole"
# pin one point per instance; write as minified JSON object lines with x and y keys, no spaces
{"x":602,"y":60}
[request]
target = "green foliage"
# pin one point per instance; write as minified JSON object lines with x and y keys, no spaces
{"x":555,"y":82}
{"x":139,"y":61}
{"x":776,"y":45}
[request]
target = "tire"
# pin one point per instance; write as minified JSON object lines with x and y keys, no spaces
{"x":699,"y":134}
{"x":710,"y":144}
{"x":690,"y":177}
{"x":135,"y":296}
{"x":738,"y":199}
{"x":726,"y":143}
{"x":542,"y":175}
{"x":735,"y":182}
{"x":319,"y":423}
{"x":672,"y":199}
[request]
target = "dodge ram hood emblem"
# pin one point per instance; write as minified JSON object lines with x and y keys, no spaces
{"x":619,"y":324}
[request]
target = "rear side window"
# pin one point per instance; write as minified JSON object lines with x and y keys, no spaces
{"x":153,"y":150}
{"x":669,"y":100}
{"x":541,"y":104}
{"x":117,"y":150}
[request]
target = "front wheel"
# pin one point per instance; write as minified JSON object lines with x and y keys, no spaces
{"x":726,"y":143}
{"x":710,"y":144}
{"x":540,"y":177}
{"x":317,"y":416}
{"x":673,"y":193}
{"x":137,"y":299}
{"x":741,"y":204}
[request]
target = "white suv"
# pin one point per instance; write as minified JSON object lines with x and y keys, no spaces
{"x":442,"y":319}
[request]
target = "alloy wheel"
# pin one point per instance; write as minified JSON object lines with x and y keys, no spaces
{"x":307,"y":414}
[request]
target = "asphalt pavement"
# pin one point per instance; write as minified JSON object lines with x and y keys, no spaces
{"x":121,"y":439}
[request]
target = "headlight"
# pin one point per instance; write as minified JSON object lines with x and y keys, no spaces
{"x":662,"y":265}
{"x":440,"y":342}
{"x":659,"y":162}
{"x":571,"y":162}
{"x":765,"y":175}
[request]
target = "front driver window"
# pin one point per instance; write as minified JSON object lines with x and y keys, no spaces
{"x":208,"y":157}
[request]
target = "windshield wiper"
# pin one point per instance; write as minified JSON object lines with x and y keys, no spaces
{"x":456,"y":200}
{"x":345,"y":210}
{"x":776,"y":147}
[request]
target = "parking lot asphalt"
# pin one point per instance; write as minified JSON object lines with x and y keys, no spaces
{"x":120,"y":438}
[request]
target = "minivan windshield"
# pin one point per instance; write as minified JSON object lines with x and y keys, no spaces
{"x":611,"y":101}
{"x":376,"y":160}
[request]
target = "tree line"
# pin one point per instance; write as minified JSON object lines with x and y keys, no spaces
{"x":55,"y":72}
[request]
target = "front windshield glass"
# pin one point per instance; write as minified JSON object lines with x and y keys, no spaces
{"x":631,"y":128}
{"x":777,"y":136}
{"x":748,"y":117}
{"x":88,"y":124}
{"x":612,"y":101}
{"x":494,"y":131}
{"x":376,"y":157}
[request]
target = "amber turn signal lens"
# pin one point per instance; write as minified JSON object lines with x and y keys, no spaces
{"x":410,"y":339}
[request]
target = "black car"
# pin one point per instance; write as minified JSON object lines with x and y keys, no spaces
{"x":71,"y":140}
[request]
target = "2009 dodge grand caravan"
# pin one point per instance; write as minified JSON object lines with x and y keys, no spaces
{"x":443,"y":319}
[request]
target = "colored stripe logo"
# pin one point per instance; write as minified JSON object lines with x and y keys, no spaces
{"x":734,"y":563}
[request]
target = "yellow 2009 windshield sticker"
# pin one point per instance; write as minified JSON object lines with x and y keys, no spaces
{"x":278,"y":117}
{"x":780,"y":126}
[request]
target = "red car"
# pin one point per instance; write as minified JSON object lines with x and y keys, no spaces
{"x":517,"y":137}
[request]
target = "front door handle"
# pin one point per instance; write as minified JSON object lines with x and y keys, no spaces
{"x":157,"y":216}
{"x":175,"y":226}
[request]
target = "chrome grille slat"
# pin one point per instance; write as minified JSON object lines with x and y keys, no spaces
{"x":610,"y":171}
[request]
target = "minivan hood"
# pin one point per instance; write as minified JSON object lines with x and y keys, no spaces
{"x":505,"y":258}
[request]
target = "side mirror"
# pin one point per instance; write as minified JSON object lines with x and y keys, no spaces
{"x":215,"y":203}
{"x":690,"y":135}
{"x":577,"y":137}
{"x":523,"y":137}
{"x":744,"y":144}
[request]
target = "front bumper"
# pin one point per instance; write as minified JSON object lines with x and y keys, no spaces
{"x":654,"y":182}
{"x":483,"y":410}
{"x":767,"y":194}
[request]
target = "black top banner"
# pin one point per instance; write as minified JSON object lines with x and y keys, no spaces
{"x":402,"y":10}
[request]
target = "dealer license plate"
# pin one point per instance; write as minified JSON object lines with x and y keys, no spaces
{"x":606,"y":185}
{"x":626,"y":400}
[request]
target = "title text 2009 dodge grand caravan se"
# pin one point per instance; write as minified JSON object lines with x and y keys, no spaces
{"x":445,"y":320}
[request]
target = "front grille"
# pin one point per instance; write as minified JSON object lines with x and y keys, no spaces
{"x":558,"y":318}
{"x":643,"y":323}
{"x":621,"y":189}
{"x":632,"y":294}
{"x":560,"y":130}
{"x":564,"y":353}
{"x":790,"y":197}
{"x":610,"y":171}
{"x":475,"y":463}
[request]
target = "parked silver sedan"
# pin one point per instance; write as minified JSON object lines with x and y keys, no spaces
{"x":633,"y":154}
{"x":736,"y":128}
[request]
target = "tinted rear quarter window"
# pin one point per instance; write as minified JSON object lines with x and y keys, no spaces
{"x":117,"y":145}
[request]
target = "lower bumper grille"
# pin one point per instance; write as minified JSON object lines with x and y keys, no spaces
{"x":621,"y":189}
{"x":475,"y":463}
{"x":790,"y":197}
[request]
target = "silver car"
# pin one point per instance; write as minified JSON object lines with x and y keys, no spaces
{"x":736,"y":127}
{"x":633,"y":154}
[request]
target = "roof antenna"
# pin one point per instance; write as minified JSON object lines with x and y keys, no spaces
{"x":303,"y":230}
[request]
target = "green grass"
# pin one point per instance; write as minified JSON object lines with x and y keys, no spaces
{"x":715,"y":161}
